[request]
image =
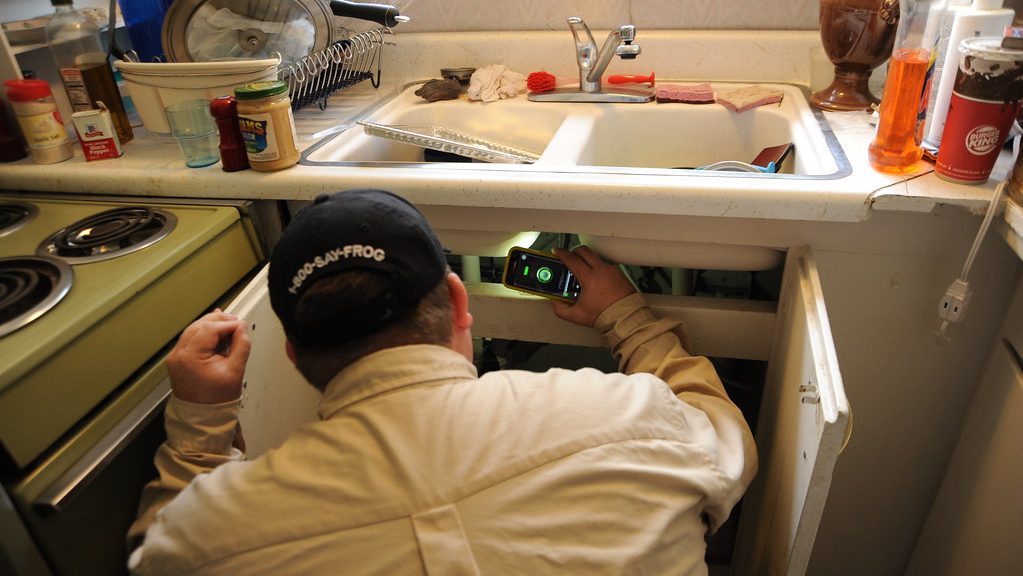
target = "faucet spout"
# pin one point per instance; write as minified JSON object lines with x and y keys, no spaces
{"x":618,"y":43}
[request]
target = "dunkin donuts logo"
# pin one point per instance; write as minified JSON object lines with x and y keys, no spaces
{"x":982,"y":139}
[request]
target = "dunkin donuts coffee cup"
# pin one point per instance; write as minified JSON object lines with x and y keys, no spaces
{"x":985,"y":100}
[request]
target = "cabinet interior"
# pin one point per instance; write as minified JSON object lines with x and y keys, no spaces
{"x":743,"y":378}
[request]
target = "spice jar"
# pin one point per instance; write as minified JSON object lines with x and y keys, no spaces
{"x":233,"y":156}
{"x":267,"y":126}
{"x":40,"y":120}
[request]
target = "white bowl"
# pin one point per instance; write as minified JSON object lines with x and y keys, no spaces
{"x":218,"y":68}
{"x":152,"y":93}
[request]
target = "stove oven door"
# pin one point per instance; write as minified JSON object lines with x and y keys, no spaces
{"x":77,"y":501}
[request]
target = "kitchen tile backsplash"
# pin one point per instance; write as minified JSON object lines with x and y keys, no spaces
{"x":463,"y":15}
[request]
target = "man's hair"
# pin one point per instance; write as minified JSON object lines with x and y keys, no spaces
{"x":333,"y":300}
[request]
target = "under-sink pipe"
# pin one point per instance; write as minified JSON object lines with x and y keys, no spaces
{"x":681,"y":281}
{"x":471,"y":269}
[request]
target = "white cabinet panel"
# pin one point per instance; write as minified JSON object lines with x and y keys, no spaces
{"x":977,"y":517}
{"x":276,"y":398}
{"x":804,"y":420}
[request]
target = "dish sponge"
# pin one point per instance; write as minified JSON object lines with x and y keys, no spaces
{"x":742,"y":99}
{"x":690,"y":94}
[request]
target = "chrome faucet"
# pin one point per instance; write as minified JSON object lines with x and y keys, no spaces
{"x":593,"y":63}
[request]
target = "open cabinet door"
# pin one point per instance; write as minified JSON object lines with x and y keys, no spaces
{"x":804,"y":420}
{"x":276,"y":399}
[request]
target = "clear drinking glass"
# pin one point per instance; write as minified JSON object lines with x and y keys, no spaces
{"x":192,"y":125}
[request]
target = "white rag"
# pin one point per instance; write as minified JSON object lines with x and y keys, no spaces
{"x":494,"y":82}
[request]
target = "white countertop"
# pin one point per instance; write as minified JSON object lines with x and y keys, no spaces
{"x":152,"y":164}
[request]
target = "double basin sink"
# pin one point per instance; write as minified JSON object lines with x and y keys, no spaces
{"x":622,"y":144}
{"x":648,"y":138}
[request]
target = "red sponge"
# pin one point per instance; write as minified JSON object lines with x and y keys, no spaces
{"x":541,"y":81}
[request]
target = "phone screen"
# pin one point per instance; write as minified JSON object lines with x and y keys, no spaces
{"x":539,"y":274}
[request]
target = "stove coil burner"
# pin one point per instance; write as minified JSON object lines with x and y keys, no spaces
{"x":29,"y":287}
{"x":14,"y":215}
{"x":109,"y":234}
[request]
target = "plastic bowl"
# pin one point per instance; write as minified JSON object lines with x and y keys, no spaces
{"x":218,"y":68}
{"x":153,"y":92}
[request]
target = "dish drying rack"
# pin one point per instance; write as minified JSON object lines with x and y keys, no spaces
{"x":312,"y":79}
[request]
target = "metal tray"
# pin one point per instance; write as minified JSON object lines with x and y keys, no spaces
{"x":437,"y":138}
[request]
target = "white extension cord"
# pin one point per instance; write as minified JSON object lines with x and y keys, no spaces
{"x":957,"y":297}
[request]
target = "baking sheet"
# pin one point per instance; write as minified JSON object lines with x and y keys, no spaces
{"x":445,"y":140}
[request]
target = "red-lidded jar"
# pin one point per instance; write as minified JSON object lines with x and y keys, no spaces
{"x":40,"y":120}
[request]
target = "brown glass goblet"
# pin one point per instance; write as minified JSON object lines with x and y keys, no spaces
{"x":858,"y":36}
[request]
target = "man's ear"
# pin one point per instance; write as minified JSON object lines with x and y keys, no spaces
{"x":289,"y":349}
{"x":459,"y":297}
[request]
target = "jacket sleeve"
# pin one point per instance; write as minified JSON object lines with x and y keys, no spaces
{"x":643,"y":343}
{"x":200,"y":437}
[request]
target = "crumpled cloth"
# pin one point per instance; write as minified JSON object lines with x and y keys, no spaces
{"x":494,"y":82}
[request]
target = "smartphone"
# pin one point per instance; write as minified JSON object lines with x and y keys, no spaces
{"x":540,"y":273}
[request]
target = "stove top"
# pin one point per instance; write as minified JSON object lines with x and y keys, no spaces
{"x":29,"y":286}
{"x":109,"y":234}
{"x":140,"y":271}
{"x":14,"y":215}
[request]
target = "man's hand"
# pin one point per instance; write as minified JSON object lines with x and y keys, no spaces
{"x":208,"y":362}
{"x":602,"y":285}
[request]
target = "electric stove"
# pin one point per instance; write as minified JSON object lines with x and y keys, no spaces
{"x":107,"y":285}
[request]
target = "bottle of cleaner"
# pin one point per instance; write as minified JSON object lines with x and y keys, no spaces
{"x":74,"y":40}
{"x":896,"y":145}
{"x":982,"y":18}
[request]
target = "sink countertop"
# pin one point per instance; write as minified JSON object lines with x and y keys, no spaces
{"x":152,"y":164}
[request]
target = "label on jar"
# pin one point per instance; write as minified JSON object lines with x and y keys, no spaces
{"x":77,"y":93}
{"x":259,"y":136}
{"x":44,"y":130}
{"x":294,"y":133}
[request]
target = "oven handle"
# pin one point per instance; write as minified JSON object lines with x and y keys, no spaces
{"x":79,"y":475}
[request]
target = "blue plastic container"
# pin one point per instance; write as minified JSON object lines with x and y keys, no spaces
{"x":144,"y":20}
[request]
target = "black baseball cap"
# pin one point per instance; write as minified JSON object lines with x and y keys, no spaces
{"x":355,"y":230}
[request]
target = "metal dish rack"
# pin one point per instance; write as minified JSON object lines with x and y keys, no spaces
{"x":313,"y":78}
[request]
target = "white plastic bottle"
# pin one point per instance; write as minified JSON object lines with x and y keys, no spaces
{"x":982,"y":18}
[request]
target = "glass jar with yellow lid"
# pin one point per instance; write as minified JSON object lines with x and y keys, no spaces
{"x":267,"y":125}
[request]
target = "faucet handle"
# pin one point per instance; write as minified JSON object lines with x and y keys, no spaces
{"x":577,"y":25}
{"x":585,"y":47}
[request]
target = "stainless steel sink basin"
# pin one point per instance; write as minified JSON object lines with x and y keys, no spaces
{"x":651,"y":138}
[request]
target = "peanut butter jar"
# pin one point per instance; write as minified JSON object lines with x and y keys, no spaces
{"x":267,"y":125}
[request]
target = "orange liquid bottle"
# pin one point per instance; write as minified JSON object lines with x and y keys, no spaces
{"x":896,"y":145}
